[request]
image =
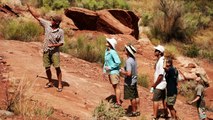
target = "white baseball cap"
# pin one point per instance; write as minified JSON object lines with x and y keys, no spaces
{"x":160,"y":48}
{"x":112,"y":42}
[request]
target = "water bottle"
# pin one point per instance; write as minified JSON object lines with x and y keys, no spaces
{"x":152,"y":90}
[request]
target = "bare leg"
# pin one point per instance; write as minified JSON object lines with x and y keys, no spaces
{"x":173,"y":112}
{"x":165,"y":108}
{"x":117,"y":93}
{"x":49,"y":74}
{"x":138,"y":104}
{"x":59,"y":76}
{"x":155,"y":108}
{"x":134,"y":105}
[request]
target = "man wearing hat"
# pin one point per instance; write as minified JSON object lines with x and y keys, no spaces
{"x":159,"y":82}
{"x":111,"y":67}
{"x":54,"y":38}
{"x":130,"y":84}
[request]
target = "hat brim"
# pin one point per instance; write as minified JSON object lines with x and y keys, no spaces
{"x":129,"y":50}
{"x":156,"y":48}
{"x":109,"y":41}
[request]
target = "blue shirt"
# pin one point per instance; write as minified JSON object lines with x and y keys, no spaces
{"x":112,"y":61}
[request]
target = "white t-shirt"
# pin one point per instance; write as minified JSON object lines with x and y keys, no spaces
{"x":159,"y":70}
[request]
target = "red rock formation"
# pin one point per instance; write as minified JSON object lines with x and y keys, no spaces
{"x":107,"y":21}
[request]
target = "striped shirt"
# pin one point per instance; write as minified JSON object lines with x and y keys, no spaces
{"x":52,"y":36}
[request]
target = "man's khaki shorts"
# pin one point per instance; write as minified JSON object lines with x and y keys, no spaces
{"x":159,"y":95}
{"x":114,"y":79}
{"x":170,"y":100}
{"x":51,"y":58}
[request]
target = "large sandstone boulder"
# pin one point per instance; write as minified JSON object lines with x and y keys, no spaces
{"x":107,"y":21}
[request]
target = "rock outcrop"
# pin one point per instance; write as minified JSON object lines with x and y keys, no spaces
{"x":107,"y":21}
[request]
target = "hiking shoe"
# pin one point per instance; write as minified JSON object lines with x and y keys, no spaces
{"x":133,"y":114}
{"x":164,"y":115}
{"x":48,"y":85}
{"x":59,"y":89}
{"x":116,"y":105}
{"x":154,"y":118}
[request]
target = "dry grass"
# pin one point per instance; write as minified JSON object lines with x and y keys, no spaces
{"x":19,"y":94}
{"x":105,"y":111}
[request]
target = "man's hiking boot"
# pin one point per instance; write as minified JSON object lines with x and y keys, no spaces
{"x":133,"y":114}
{"x":154,"y":118}
{"x":116,"y":105}
{"x":59,"y":89}
{"x":48,"y":85}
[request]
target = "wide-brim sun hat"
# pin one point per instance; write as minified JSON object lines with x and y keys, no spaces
{"x":160,"y":48}
{"x":131,"y":49}
{"x":112,"y":42}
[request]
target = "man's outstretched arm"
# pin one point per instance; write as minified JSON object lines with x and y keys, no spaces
{"x":33,"y":13}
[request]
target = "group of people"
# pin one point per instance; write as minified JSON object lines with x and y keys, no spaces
{"x":165,"y":77}
{"x":113,"y":70}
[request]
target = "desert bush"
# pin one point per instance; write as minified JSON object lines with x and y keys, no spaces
{"x":89,"y":49}
{"x":21,"y":30}
{"x":49,"y":4}
{"x":171,"y":50}
{"x":105,"y":111}
{"x":179,"y":20}
{"x":191,"y":50}
{"x":166,"y":23}
{"x":146,"y":18}
{"x":187,"y":89}
{"x":104,"y":4}
{"x":19,"y":100}
{"x":207,"y":54}
{"x":143,"y":80}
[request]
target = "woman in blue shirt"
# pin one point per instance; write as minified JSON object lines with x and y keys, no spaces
{"x":111,"y":67}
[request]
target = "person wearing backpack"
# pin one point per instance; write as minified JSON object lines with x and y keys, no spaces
{"x":111,"y":68}
{"x":171,"y":94}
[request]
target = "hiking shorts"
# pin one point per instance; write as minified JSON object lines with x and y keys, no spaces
{"x":51,"y":58}
{"x":170,"y":100}
{"x":159,"y":95}
{"x":114,"y":79}
{"x":202,"y":113}
{"x":130,"y":91}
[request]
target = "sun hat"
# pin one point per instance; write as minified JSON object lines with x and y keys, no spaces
{"x":131,"y":49}
{"x":160,"y":48}
{"x":112,"y":42}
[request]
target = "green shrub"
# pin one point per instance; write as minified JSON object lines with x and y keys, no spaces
{"x":53,"y":4}
{"x":59,"y":4}
{"x":143,"y":80}
{"x":180,"y":20}
{"x":89,"y":51}
{"x":105,"y":111}
{"x":21,"y":30}
{"x":146,"y":18}
{"x":104,"y":4}
{"x":166,"y":21}
{"x":192,"y":51}
{"x":207,"y":54}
